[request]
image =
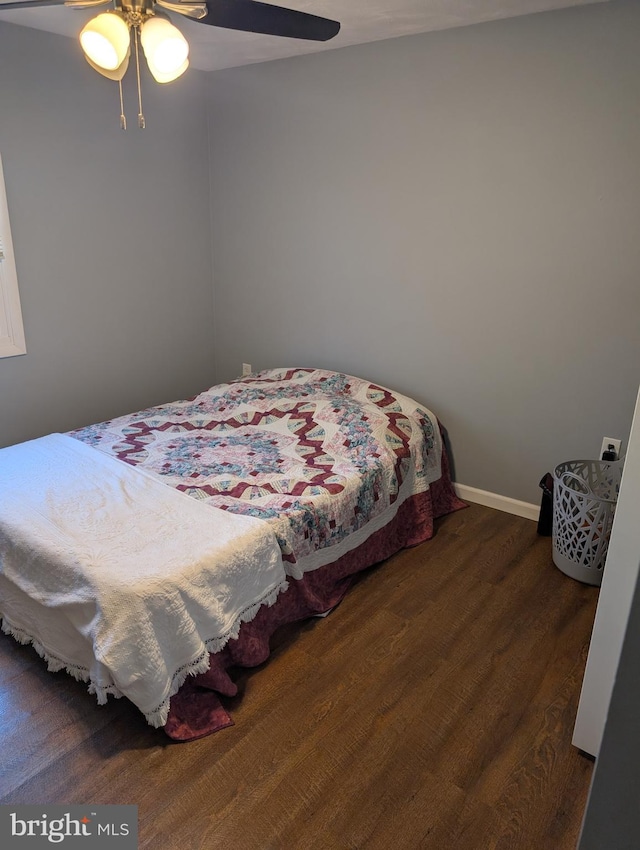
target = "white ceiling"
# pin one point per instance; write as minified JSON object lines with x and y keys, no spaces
{"x":362,"y":21}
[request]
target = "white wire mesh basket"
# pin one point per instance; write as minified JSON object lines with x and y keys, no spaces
{"x":584,"y":502}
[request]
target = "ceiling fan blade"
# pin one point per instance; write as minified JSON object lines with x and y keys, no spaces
{"x":34,"y":4}
{"x":84,"y":4}
{"x":24,"y":4}
{"x":191,"y":10}
{"x":252,"y":16}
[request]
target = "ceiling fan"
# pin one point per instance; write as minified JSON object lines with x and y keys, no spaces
{"x":106,"y":40}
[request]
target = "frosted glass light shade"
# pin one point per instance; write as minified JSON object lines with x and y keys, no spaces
{"x":117,"y":74}
{"x":169,"y":77}
{"x":165,"y":48}
{"x":105,"y":41}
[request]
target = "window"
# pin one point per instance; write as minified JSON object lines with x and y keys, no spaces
{"x":11,"y":330}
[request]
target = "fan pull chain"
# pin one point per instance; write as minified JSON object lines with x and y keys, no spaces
{"x":123,"y":118}
{"x":141,"y":121}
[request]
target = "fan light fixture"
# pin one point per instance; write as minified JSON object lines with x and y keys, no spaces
{"x":105,"y":40}
{"x":108,"y":38}
{"x":165,"y":49}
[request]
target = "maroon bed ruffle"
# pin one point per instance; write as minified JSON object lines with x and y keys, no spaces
{"x":196,"y":710}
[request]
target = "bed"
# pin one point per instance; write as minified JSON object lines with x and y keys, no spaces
{"x":151,"y":554}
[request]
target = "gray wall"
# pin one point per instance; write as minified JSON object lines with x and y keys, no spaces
{"x":112,"y":239}
{"x":454,"y":215}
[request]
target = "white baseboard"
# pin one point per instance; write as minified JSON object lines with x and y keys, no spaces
{"x":500,"y":503}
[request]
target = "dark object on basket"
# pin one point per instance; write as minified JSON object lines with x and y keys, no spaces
{"x":545,"y":520}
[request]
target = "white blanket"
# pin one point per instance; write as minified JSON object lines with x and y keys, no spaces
{"x":119,"y":579}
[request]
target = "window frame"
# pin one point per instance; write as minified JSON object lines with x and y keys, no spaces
{"x":12,"y":341}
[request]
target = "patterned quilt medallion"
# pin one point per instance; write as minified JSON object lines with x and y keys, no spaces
{"x":325,"y":457}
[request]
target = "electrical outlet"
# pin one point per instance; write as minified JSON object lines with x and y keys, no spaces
{"x":246,"y":368}
{"x":610,"y":441}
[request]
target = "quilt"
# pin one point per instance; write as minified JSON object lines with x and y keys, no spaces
{"x":326,"y":458}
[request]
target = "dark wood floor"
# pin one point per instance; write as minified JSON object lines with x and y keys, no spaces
{"x":433,"y":709}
